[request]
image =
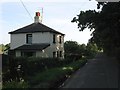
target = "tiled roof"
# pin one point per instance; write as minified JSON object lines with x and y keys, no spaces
{"x":35,"y":27}
{"x":33,"y":46}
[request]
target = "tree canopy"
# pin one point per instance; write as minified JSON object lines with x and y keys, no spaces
{"x":73,"y":49}
{"x":105,"y":25}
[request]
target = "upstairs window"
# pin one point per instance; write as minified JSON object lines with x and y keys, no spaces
{"x":29,"y":38}
{"x":60,"y":39}
{"x":53,"y":38}
{"x":57,"y":54}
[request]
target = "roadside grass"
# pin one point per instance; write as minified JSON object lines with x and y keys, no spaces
{"x":52,"y":78}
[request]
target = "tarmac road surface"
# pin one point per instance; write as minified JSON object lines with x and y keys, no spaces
{"x":100,"y":72}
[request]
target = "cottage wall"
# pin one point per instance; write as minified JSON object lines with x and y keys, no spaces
{"x":45,"y":37}
{"x":17,"y":40}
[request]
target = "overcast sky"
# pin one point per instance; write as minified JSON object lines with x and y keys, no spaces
{"x":57,"y":14}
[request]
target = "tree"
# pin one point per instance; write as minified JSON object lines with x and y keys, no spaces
{"x":7,"y":46}
{"x":71,"y":47}
{"x":4,"y":48}
{"x":73,"y":50}
{"x":105,"y":25}
{"x":91,"y":49}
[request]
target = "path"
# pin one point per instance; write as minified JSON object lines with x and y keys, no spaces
{"x":100,"y":72}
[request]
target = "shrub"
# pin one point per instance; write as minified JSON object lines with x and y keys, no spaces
{"x":23,"y":67}
{"x":15,"y":84}
{"x":53,"y":77}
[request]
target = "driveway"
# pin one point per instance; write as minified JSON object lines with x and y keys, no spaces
{"x":100,"y":72}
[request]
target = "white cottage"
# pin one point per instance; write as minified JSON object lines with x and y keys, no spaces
{"x":37,"y":40}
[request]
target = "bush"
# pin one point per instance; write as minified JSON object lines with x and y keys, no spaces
{"x":21,"y":67}
{"x":40,"y":64}
{"x":15,"y":84}
{"x":46,"y":72}
{"x":53,"y":77}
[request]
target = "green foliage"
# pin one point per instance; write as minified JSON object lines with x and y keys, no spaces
{"x":49,"y":78}
{"x":105,"y":25}
{"x":3,"y":47}
{"x":75,"y":51}
{"x":15,"y":84}
{"x":71,"y":47}
{"x":91,"y":50}
{"x":46,"y":72}
{"x":7,"y":46}
{"x":21,"y":67}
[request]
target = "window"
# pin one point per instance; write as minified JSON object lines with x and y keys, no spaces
{"x":29,"y":38}
{"x":27,"y":54}
{"x":60,"y":53}
{"x":57,"y":53}
{"x":53,"y":38}
{"x":22,"y":54}
{"x":60,"y":39}
{"x":54,"y":54}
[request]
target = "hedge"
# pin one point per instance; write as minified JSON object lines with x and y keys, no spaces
{"x":21,"y":67}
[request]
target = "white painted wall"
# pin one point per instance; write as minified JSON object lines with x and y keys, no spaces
{"x":20,"y":39}
{"x":48,"y":52}
{"x":17,"y":40}
{"x":42,"y":54}
{"x":46,"y":37}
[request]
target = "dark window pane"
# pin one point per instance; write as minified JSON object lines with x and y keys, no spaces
{"x":60,"y":39}
{"x":53,"y":38}
{"x":57,"y":53}
{"x":54,"y":54}
{"x":60,"y":53}
{"x":27,"y":54}
{"x":29,"y":38}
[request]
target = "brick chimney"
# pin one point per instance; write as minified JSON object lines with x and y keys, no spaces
{"x":37,"y":18}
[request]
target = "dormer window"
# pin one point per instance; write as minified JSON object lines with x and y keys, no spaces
{"x":29,"y":38}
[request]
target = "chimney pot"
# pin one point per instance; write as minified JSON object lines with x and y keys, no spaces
{"x":37,"y":13}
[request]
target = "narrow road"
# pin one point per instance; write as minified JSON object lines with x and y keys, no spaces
{"x":100,"y":72}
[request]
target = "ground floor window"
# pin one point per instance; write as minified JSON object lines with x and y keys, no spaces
{"x":28,"y":54}
{"x":54,"y":54}
{"x":57,"y":54}
{"x":60,"y":53}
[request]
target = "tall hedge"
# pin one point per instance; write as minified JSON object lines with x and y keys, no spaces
{"x":22,"y":67}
